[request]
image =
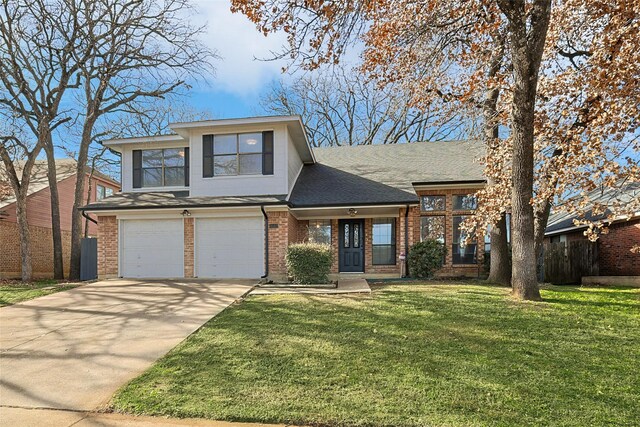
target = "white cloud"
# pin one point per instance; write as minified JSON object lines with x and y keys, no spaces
{"x":238,"y":43}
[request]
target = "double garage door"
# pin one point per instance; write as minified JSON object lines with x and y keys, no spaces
{"x":229,"y":247}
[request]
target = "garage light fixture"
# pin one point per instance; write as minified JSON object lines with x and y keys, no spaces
{"x":185,"y":213}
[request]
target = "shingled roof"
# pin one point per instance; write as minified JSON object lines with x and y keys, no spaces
{"x":563,"y":221}
{"x":384,"y":174}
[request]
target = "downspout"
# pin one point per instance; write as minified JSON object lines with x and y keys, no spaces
{"x":84,"y":214}
{"x":406,"y":241}
{"x":266,"y":243}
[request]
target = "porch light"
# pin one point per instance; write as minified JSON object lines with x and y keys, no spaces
{"x":185,"y":213}
{"x":352,"y":212}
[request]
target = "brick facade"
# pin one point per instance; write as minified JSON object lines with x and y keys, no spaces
{"x":189,"y":266}
{"x":107,"y":247}
{"x":278,"y":230}
{"x":616,"y":258}
{"x":41,"y":251}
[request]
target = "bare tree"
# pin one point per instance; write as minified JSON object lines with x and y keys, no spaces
{"x":342,"y":108}
{"x":136,"y":51}
{"x":37,"y":67}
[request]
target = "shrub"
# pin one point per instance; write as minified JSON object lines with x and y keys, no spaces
{"x":425,"y":258}
{"x":309,"y":262}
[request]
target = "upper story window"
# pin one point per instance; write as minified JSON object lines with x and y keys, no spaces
{"x":167,"y":167}
{"x":102,"y":192}
{"x":237,"y":154}
{"x":432,"y":203}
{"x":465,"y":202}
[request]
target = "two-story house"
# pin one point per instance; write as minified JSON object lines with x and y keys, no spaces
{"x":224,"y":199}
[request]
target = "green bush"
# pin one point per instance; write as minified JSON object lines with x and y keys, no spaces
{"x":309,"y":263}
{"x":425,"y":258}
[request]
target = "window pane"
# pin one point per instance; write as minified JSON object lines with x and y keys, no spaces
{"x":152,"y":177}
{"x":432,"y":228}
{"x":225,"y":144}
{"x":346,"y":235}
{"x":250,"y":164}
{"x":174,"y":176}
{"x":356,"y":236}
{"x":384,"y":255}
{"x":151,"y":158}
{"x":462,"y":252}
{"x":100,"y":192}
{"x":250,"y":142}
{"x":225,"y":165}
{"x":383,"y":231}
{"x":320,"y":231}
{"x":174,"y":157}
{"x":433,"y":203}
{"x":465,"y":203}
{"x":108,"y":192}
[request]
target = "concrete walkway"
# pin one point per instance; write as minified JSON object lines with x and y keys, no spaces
{"x":48,"y":417}
{"x":345,"y":286}
{"x":72,"y":350}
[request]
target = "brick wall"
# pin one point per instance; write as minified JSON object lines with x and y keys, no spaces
{"x":449,"y":269}
{"x":41,"y":251}
{"x":616,"y":259}
{"x":107,"y":247}
{"x":278,"y":241}
{"x":188,"y":247}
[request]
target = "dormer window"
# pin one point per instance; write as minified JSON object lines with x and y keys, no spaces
{"x":237,"y":154}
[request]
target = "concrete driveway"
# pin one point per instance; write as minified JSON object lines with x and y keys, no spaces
{"x":74,"y":349}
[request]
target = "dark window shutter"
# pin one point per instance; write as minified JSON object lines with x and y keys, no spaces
{"x":186,"y":166}
{"x":267,"y":153}
{"x":137,"y":168}
{"x":207,"y":156}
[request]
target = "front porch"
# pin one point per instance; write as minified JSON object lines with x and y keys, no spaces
{"x":367,"y":241}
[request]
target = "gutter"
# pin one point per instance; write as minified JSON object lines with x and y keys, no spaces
{"x":84,"y":214}
{"x":266,"y":243}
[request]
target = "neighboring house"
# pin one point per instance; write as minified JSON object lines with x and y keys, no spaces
{"x":614,"y":248}
{"x":224,"y":199}
{"x":39,"y":216}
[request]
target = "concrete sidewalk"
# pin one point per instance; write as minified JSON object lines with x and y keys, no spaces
{"x":47,"y":417}
{"x":345,"y":286}
{"x":73,"y":349}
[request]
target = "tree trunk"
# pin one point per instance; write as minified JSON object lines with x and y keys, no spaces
{"x":58,"y":266}
{"x":25,"y":237}
{"x":76,"y":216}
{"x":500,"y":270}
{"x":527,"y":46}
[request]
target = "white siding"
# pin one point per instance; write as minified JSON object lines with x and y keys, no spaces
{"x":241,"y":185}
{"x":294,"y":163}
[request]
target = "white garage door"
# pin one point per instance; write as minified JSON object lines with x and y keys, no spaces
{"x":152,"y":248}
{"x":230,"y":247}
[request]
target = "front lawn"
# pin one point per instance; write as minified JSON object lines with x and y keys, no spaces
{"x":408,"y":355}
{"x":12,"y":291}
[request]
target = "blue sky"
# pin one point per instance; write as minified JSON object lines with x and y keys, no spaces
{"x":240,"y":78}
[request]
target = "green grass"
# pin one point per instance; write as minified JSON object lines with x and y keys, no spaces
{"x":14,"y":292}
{"x":408,"y":355}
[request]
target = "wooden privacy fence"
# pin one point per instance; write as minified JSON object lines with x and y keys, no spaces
{"x":566,"y":263}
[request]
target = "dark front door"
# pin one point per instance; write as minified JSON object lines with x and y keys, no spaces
{"x":351,"y":245}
